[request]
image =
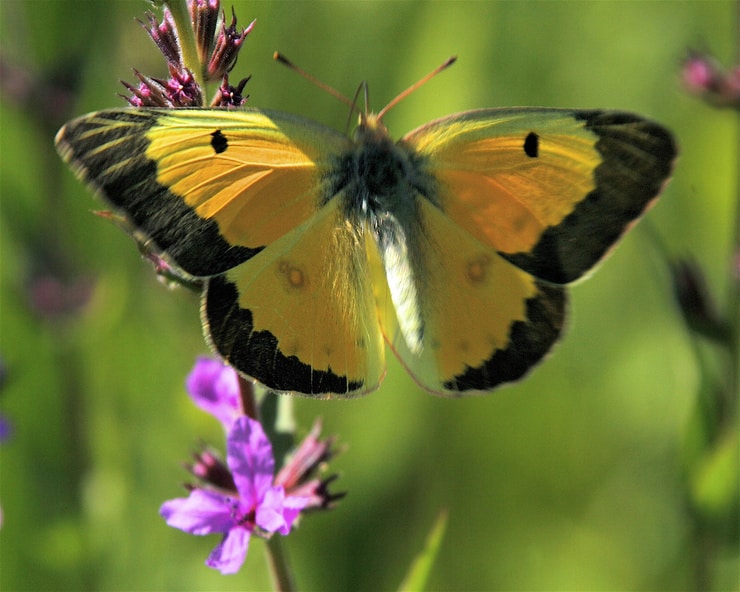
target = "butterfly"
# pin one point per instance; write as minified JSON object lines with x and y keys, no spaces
{"x":453,"y":245}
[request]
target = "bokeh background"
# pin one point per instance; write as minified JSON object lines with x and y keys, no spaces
{"x":574,"y":479}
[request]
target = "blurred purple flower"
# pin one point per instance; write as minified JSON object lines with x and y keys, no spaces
{"x":256,"y":507}
{"x":6,"y":428}
{"x":52,"y":294}
{"x":705,"y":77}
{"x":214,"y":387}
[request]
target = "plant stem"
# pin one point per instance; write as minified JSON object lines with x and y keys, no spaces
{"x":247,"y":399}
{"x":277,"y":560}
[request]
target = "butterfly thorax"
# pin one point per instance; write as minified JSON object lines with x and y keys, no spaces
{"x":378,"y":164}
{"x":382,"y":185}
{"x":382,"y":175}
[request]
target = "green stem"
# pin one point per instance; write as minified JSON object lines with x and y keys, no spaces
{"x":186,"y":36}
{"x":277,"y":560}
{"x":247,"y":399}
{"x":734,"y":296}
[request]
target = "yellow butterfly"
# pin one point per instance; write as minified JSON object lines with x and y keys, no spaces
{"x":453,"y":245}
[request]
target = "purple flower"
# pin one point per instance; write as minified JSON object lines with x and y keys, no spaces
{"x":704,"y":76}
{"x":257,"y":506}
{"x":182,"y":89}
{"x":217,"y":48}
{"x":230,"y":96}
{"x":214,"y":387}
{"x":242,"y":496}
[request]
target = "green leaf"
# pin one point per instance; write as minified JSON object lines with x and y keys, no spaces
{"x":418,"y":573}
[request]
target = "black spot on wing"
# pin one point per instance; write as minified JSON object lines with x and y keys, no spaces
{"x":529,"y":341}
{"x":108,"y":151}
{"x":257,"y":353}
{"x":219,"y":142}
{"x":638,"y":158}
{"x":532,"y":145}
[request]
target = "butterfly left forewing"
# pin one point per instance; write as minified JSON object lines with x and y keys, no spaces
{"x":551,"y":190}
{"x":208,"y":188}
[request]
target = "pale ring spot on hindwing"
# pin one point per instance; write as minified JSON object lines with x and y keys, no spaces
{"x":293,"y":276}
{"x":477,"y":269}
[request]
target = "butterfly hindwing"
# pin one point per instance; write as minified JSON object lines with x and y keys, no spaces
{"x":551,"y":190}
{"x":483,"y":321}
{"x":300,"y":316}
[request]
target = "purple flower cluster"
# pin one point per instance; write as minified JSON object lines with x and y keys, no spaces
{"x":217,"y":50}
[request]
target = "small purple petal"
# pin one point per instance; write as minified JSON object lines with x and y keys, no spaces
{"x":214,"y":387}
{"x":249,"y":456}
{"x":269,"y":515}
{"x":292,"y":507}
{"x":231,"y":552}
{"x":202,"y":512}
{"x":276,"y":512}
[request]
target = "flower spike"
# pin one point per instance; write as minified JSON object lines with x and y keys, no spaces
{"x":204,"y":15}
{"x":164,"y":35}
{"x":228,"y":44}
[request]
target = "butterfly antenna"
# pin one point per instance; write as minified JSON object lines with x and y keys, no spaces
{"x":353,"y":107}
{"x":446,"y":64}
{"x":315,"y":81}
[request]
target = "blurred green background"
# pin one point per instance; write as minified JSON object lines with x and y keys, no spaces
{"x":573,"y":479}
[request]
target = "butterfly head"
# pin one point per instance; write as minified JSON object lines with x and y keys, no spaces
{"x":370,"y":129}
